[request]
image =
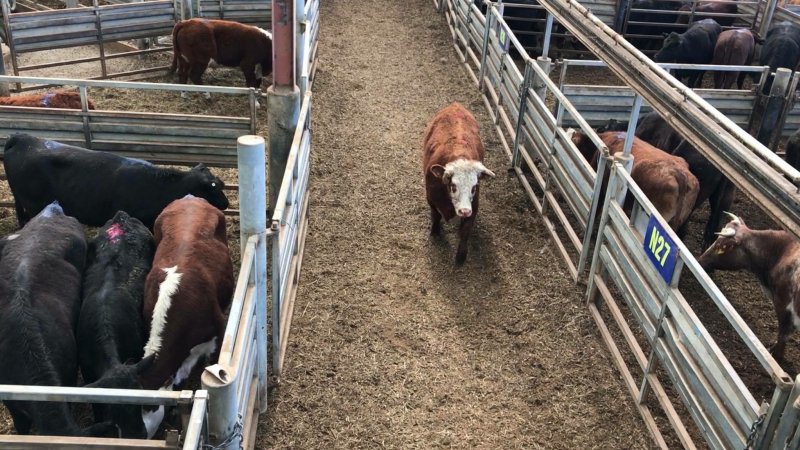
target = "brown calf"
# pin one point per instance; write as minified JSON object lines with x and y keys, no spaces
{"x":665,"y":179}
{"x":57,"y":99}
{"x":186,"y":293}
{"x":773,"y":256}
{"x":734,"y":48}
{"x":452,"y":162}
{"x":196,"y":42}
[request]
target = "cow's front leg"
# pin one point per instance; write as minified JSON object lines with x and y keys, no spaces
{"x":436,"y":221}
{"x":463,"y":236}
{"x":785,"y":328}
{"x":196,"y":74}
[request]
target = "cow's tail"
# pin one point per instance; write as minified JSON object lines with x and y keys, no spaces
{"x":175,"y":50}
{"x":688,"y":187}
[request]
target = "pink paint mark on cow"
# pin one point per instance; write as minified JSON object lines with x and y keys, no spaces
{"x":114,"y":232}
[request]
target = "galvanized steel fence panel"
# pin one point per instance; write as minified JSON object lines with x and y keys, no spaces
{"x":289,"y":226}
{"x":746,"y":16}
{"x":716,"y":397}
{"x":158,"y":137}
{"x":97,"y":25}
{"x":310,"y":36}
{"x":251,"y":12}
{"x":191,"y":405}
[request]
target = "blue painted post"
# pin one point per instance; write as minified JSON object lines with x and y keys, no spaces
{"x":253,"y":221}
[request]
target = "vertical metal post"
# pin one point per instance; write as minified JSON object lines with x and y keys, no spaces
{"x":301,"y":29}
{"x":485,"y":47}
{"x":4,"y":7}
{"x":87,"y":132}
{"x":283,"y":96}
{"x":98,"y":24}
{"x":587,"y":238}
{"x":651,"y":360}
{"x":612,"y":186}
{"x":630,"y":134}
{"x":4,"y":90}
{"x":548,"y":34}
{"x":223,"y":412}
{"x":774,"y":106}
{"x":621,"y":15}
{"x":253,"y":222}
{"x":523,"y":103}
{"x":766,"y":19}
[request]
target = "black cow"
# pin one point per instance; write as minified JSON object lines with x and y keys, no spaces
{"x":110,"y":327}
{"x":695,"y":46}
{"x":781,"y":49}
{"x":92,"y":186}
{"x":40,"y":295}
{"x":655,"y":22}
{"x":714,"y":187}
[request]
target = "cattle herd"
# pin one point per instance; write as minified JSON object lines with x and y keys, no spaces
{"x":132,"y":309}
{"x":142,"y":303}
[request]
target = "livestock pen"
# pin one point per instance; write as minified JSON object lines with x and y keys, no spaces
{"x":685,"y":362}
{"x":224,"y":412}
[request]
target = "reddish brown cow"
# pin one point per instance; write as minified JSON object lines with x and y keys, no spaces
{"x":734,"y":48}
{"x":196,"y":42}
{"x":57,"y":99}
{"x":186,"y":293}
{"x":705,"y":10}
{"x":452,"y":162}
{"x":665,"y":179}
{"x":773,"y":256}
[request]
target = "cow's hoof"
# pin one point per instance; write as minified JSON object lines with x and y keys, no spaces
{"x":436,"y":230}
{"x":461,"y":258}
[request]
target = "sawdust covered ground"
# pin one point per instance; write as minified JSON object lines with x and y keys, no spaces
{"x":392,"y":346}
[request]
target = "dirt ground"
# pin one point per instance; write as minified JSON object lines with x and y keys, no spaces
{"x":392,"y":346}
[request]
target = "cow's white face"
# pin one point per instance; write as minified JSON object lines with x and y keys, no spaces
{"x":461,"y":178}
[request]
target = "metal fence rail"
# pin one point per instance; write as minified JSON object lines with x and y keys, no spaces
{"x":598,"y":104}
{"x":746,"y":16}
{"x":191,"y":405}
{"x":717,"y":399}
{"x":237,"y":383}
{"x":97,"y":25}
{"x":289,"y":226}
{"x":252,"y":12}
{"x":158,"y":137}
{"x":309,"y":35}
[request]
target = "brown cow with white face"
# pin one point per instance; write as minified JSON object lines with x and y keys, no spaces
{"x":197,"y":42}
{"x":773,"y":256}
{"x":452,"y":162}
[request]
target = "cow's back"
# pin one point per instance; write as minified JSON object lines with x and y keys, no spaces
{"x":40,"y":282}
{"x":664,"y":178}
{"x":67,"y":174}
{"x":453,"y":133}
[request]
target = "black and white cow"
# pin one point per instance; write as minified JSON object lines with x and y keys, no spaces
{"x":111,"y":330}
{"x":40,"y":295}
{"x":92,"y":186}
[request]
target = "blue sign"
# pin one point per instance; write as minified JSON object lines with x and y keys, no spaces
{"x":660,"y":248}
{"x":503,"y":40}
